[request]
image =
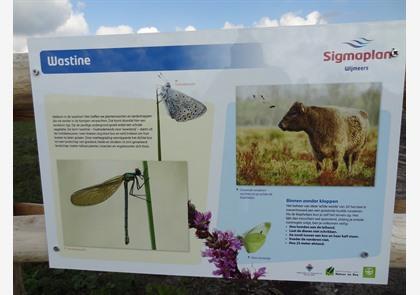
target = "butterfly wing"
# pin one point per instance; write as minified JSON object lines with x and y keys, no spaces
{"x":182,"y":107}
{"x":97,"y":193}
{"x":255,"y":238}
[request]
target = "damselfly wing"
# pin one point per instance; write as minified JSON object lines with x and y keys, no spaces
{"x":99,"y":193}
{"x":181,"y":107}
{"x":96,"y":194}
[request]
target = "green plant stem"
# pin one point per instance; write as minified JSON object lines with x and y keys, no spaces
{"x":158,"y":127}
{"x":149,"y":204}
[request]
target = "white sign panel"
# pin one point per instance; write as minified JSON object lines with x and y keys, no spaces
{"x":254,"y":153}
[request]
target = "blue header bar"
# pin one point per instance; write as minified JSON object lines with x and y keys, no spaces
{"x":159,"y":58}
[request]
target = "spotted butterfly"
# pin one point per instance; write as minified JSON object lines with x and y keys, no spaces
{"x":181,"y":107}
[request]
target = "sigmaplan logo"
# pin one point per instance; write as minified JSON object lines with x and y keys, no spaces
{"x":358,"y":43}
{"x":364,"y":56}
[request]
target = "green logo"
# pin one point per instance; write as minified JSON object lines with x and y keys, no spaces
{"x":369,"y":272}
{"x":329,"y":271}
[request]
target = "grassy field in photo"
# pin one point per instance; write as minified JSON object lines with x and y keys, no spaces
{"x":266,"y":155}
{"x":270,"y":156}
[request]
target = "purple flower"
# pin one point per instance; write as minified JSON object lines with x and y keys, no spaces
{"x":246,"y":273}
{"x":202,"y":220}
{"x":222,"y":247}
{"x":259,"y":273}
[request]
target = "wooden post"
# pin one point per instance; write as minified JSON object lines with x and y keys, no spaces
{"x":18,"y":286}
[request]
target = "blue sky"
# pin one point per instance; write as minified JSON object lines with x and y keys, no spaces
{"x":167,"y":15}
{"x":89,"y":17}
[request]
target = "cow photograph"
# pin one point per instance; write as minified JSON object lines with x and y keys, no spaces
{"x":307,"y":134}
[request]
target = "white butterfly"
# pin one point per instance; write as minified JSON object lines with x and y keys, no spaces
{"x":181,"y":107}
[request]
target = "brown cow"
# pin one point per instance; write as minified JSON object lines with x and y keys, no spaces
{"x":334,"y":132}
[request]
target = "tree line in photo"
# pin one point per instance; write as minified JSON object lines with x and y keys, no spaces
{"x":265,"y":105}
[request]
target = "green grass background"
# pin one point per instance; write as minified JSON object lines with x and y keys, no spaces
{"x":270,"y":156}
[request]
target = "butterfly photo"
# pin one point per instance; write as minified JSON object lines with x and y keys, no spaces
{"x":255,"y":238}
{"x":181,"y":107}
